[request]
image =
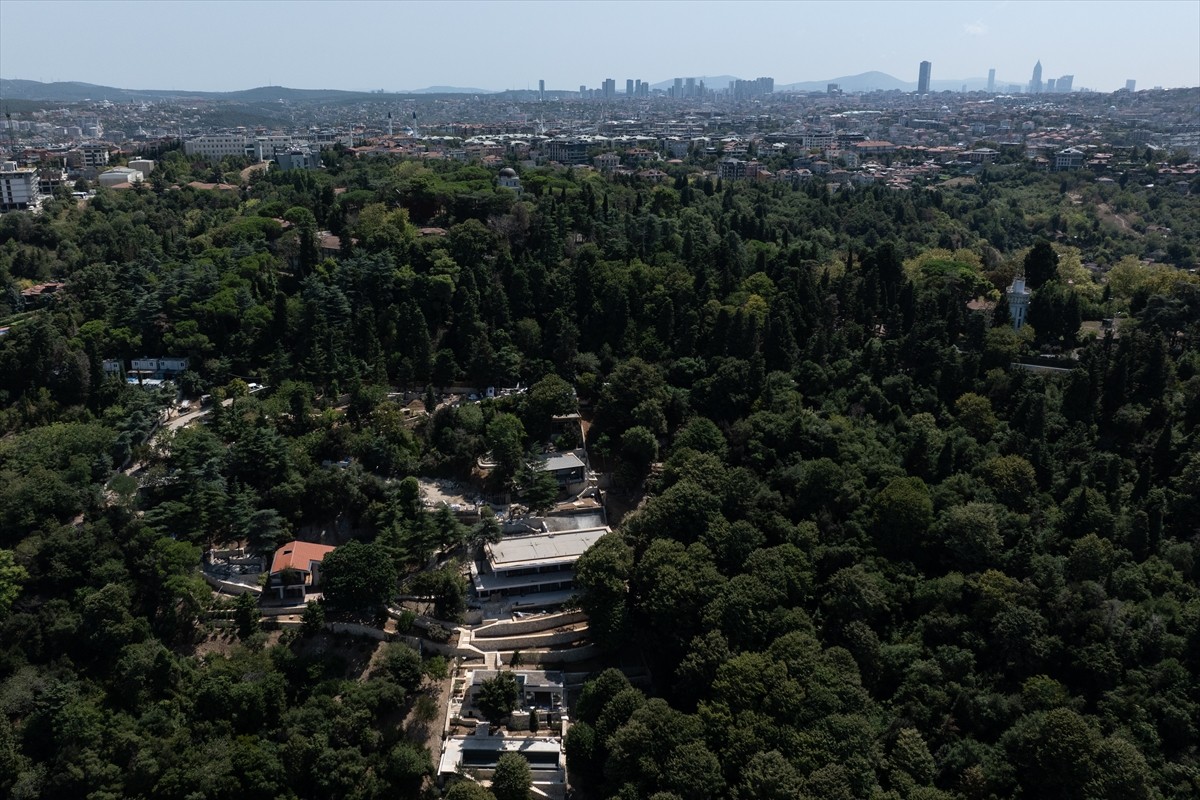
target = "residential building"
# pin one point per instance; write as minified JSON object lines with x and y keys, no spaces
{"x":167,"y":367}
{"x":1070,"y":158}
{"x":142,"y":165}
{"x":518,"y":566}
{"x":1130,"y":85}
{"x":923,"y":80}
{"x":40,"y":294}
{"x":1018,"y":295}
{"x":296,"y":569}
{"x":748,"y":90}
{"x":217,"y":145}
{"x":874,"y":148}
{"x":732,"y":168}
{"x":480,"y":753}
{"x":629,"y":88}
{"x":540,"y":690}
{"x":18,"y":187}
{"x":981,"y":155}
{"x":606,"y":162}
{"x":567,"y":468}
{"x":51,"y":178}
{"x":567,"y":151}
{"x":93,"y":155}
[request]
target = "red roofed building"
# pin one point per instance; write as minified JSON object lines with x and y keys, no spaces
{"x":296,"y":568}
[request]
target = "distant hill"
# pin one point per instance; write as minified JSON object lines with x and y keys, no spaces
{"x":449,"y":90}
{"x":75,"y":92}
{"x":865,"y":82}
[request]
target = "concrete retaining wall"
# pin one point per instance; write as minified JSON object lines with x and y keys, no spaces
{"x":551,"y":657}
{"x":535,"y":641}
{"x":544,"y":622}
{"x":282,"y":611}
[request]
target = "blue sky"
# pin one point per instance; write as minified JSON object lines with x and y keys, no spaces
{"x":179,"y":44}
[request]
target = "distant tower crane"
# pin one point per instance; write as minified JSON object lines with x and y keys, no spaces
{"x":12,"y":133}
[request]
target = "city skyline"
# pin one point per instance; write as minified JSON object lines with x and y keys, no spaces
{"x":489,"y":44}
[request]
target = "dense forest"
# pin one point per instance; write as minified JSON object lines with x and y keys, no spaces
{"x":872,"y":557}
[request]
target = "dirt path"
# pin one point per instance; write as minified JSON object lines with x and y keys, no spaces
{"x":1108,"y":215}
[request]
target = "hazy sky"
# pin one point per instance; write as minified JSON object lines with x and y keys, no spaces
{"x":174,"y":44}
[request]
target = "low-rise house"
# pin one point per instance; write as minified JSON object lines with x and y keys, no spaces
{"x":525,"y":565}
{"x":540,"y":691}
{"x":480,"y":753}
{"x":296,"y":569}
{"x":567,"y":468}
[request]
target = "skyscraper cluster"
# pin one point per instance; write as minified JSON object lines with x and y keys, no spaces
{"x":746,"y":90}
{"x":1063,"y":85}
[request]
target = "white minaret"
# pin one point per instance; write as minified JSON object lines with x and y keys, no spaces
{"x":1018,"y":302}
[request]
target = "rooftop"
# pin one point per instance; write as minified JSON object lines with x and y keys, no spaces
{"x":561,"y":461}
{"x":299,"y":555}
{"x":542,"y":550}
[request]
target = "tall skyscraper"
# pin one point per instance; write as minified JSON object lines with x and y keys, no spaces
{"x":629,"y":87}
{"x":992,"y":81}
{"x":1035,"y":85}
{"x":923,"y":80}
{"x":677,"y":88}
{"x":541,"y":91}
{"x":610,"y":88}
{"x":1065,"y":84}
{"x":1130,"y":85}
{"x":1051,"y":85}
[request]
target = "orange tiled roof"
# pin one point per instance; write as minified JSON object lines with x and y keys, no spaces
{"x":298,"y":555}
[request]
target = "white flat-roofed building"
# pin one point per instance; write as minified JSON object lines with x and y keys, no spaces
{"x":481,"y":753}
{"x":18,"y":187}
{"x":216,"y":146}
{"x":567,"y":468}
{"x":118,"y":175}
{"x":520,"y":565}
{"x":540,"y":689}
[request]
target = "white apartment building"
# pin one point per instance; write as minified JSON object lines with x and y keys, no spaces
{"x":18,"y":187}
{"x":216,"y":146}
